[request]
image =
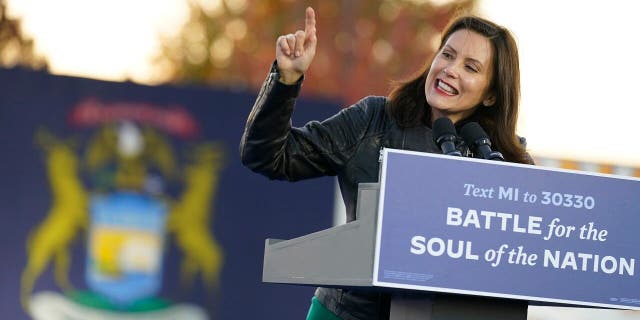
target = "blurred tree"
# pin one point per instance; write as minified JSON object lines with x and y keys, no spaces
{"x":15,"y":47}
{"x":362,"y":44}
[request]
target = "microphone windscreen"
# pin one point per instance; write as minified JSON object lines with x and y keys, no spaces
{"x":443,"y":126}
{"x":472,"y":132}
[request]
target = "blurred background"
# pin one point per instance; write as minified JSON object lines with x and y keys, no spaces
{"x":69,"y":67}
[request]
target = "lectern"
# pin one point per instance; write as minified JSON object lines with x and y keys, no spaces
{"x":343,"y":256}
{"x":454,"y":238}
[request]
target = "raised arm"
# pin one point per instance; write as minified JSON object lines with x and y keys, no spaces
{"x":272,"y":147}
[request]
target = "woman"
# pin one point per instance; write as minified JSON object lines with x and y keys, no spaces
{"x":474,"y":76}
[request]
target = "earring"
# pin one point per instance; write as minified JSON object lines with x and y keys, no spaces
{"x":489,"y":102}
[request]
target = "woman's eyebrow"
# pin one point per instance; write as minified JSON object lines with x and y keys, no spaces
{"x":448,"y":47}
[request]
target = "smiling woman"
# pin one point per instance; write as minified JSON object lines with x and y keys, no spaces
{"x":473,"y":78}
{"x":460,"y":76}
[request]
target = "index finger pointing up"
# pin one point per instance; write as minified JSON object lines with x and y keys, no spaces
{"x":309,"y":21}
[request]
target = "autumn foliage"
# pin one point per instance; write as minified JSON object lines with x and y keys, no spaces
{"x":362,"y":44}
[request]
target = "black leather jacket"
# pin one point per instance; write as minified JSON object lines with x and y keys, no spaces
{"x":347,"y":145}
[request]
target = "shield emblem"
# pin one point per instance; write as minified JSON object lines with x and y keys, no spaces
{"x":126,"y":240}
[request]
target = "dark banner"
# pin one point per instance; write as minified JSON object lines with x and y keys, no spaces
{"x":121,"y":200}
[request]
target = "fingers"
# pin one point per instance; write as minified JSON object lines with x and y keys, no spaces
{"x":286,"y":44}
{"x":281,"y":43}
{"x":291,"y":43}
{"x":294,"y":45}
{"x":310,"y":22}
{"x":300,"y":38}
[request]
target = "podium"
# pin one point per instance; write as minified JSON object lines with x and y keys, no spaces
{"x":343,"y":256}
{"x":365,"y":253}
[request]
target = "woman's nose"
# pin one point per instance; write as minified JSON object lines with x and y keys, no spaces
{"x":450,"y":72}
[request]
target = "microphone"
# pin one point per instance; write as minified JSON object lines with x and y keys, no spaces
{"x":476,"y":138}
{"x":444,"y":135}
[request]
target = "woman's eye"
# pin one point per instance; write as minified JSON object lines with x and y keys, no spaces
{"x":471,"y":68}
{"x":447,"y":55}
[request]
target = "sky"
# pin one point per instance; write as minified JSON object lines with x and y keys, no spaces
{"x":579,"y":61}
{"x":109,"y":40}
{"x":580,"y":67}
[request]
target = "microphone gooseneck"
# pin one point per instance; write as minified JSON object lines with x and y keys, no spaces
{"x":477,"y":139}
{"x":444,"y":135}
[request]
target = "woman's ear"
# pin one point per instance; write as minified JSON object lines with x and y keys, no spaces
{"x":489,"y":100}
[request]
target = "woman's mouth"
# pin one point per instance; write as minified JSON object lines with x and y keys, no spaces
{"x":445,"y":88}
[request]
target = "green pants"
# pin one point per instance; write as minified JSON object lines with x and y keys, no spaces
{"x":318,"y":312}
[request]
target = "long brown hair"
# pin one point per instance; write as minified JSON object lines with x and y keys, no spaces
{"x":407,"y":103}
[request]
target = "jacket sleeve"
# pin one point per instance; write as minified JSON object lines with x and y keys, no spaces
{"x":272,"y":147}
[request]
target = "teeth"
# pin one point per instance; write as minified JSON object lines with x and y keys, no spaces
{"x":447,"y":88}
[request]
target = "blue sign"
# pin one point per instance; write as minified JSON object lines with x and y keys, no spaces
{"x":59,"y":172}
{"x":487,"y":228}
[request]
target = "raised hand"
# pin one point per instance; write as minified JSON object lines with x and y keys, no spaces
{"x":295,"y":51}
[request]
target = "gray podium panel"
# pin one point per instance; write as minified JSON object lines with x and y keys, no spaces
{"x":338,"y":256}
{"x":343,"y":256}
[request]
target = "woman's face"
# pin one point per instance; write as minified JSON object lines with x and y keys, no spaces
{"x":460,"y":74}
